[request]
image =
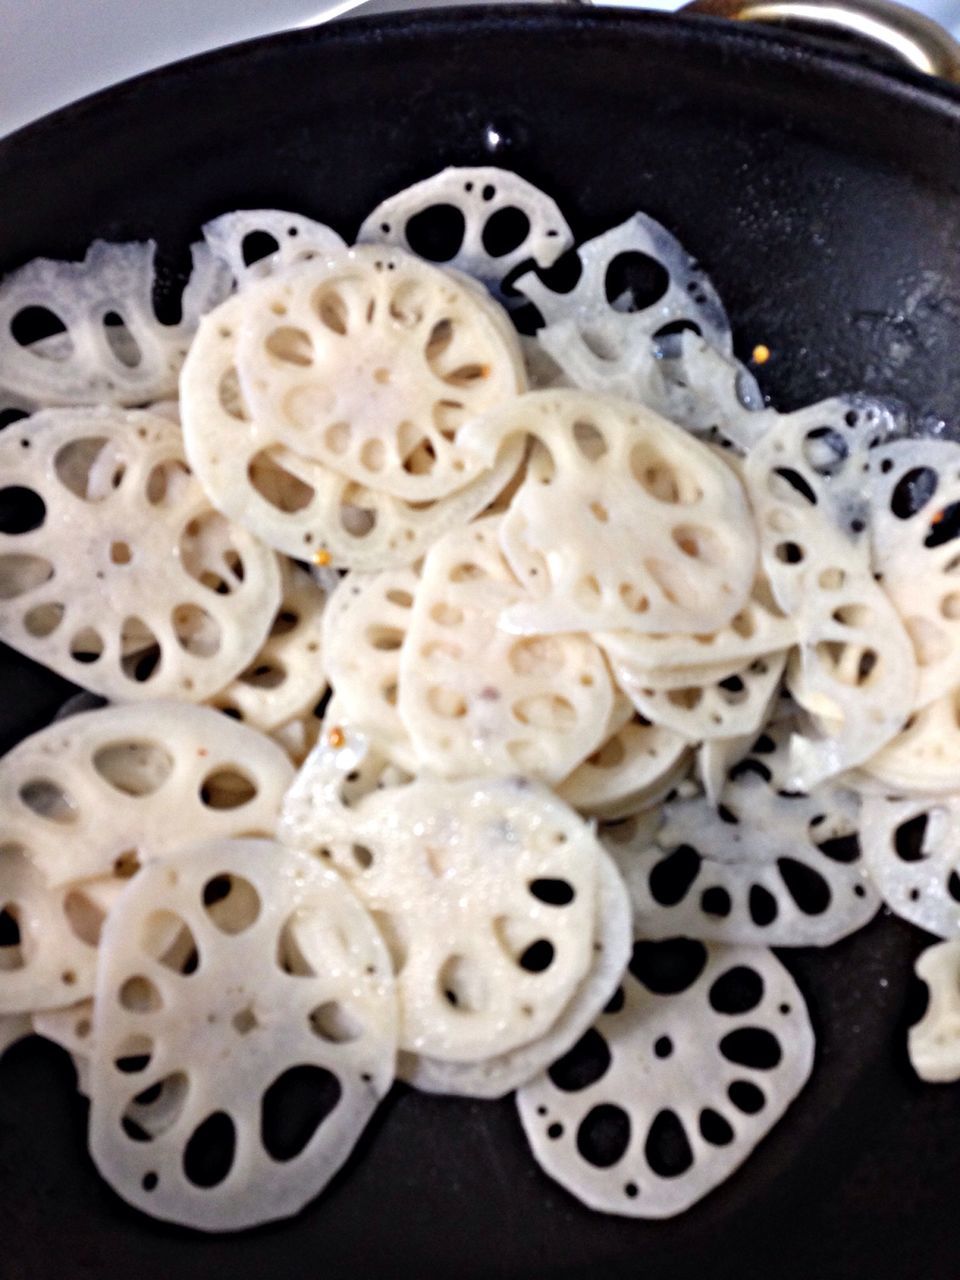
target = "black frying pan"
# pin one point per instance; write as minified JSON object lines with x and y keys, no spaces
{"x":823,"y":195}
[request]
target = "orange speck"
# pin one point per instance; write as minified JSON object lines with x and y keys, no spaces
{"x":202,"y":751}
{"x":938,"y":517}
{"x":321,"y":557}
{"x":485,"y":371}
{"x":337,"y":737}
{"x":760,"y":353}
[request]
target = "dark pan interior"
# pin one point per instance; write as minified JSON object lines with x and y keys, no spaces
{"x":822,"y":196}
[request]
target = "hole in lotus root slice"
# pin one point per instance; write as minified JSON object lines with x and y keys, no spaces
{"x":771,"y":865}
{"x":287,"y":677}
{"x":911,"y":849}
{"x":289,"y":500}
{"x":649,"y":1141}
{"x":253,"y":243}
{"x":914,"y":485}
{"x":133,"y":782}
{"x":732,"y":706}
{"x":498,"y":1075}
{"x":111,"y":346}
{"x":424,"y":352}
{"x":477,"y":848}
{"x":364,"y":627}
{"x":677,"y":550}
{"x":934,"y":1042}
{"x":477,"y":700}
{"x":223,"y":1136}
{"x":484,"y":221}
{"x":143,"y":622}
{"x":609,"y":344}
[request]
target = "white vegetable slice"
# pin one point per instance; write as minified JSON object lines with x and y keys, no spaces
{"x":291,"y":501}
{"x":114,"y":569}
{"x":934,"y":1042}
{"x":482,"y":860}
{"x":914,"y":526}
{"x":71,"y":1027}
{"x":370,"y":362}
{"x":496,"y":1076}
{"x":855,"y":671}
{"x":286,"y":678}
{"x":676,"y":1084}
{"x":735,"y":705}
{"x":707,"y":390}
{"x":623,"y":521}
{"x":112,"y":348}
{"x":925,"y":758}
{"x":478,"y":701}
{"x":365,"y":624}
{"x":715,"y":758}
{"x":104,"y":790}
{"x":770,"y":866}
{"x":491,"y":222}
{"x":285,"y":238}
{"x":281,"y":985}
{"x":911,"y":848}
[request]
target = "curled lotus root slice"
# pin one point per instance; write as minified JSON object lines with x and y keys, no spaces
{"x":623,"y":521}
{"x":855,"y":672}
{"x":490,"y":222}
{"x":715,"y":758}
{"x":914,"y":527}
{"x":114,"y":569}
{"x":501,"y":1074}
{"x":911,"y":848}
{"x":370,"y":362}
{"x":478,"y":701}
{"x":49,"y":951}
{"x":286,"y":678}
{"x":706,"y":390}
{"x":925,"y":758}
{"x":735,"y":705}
{"x":505,"y":872}
{"x":254,"y":243}
{"x":934,"y":1042}
{"x":365,"y":624}
{"x":277,"y":982}
{"x":106,"y":790}
{"x":770,"y":866}
{"x":109,"y":347}
{"x":692,"y":1064}
{"x":291,"y":501}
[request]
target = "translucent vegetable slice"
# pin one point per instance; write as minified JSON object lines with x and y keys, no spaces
{"x":104,"y":791}
{"x":934,"y":1041}
{"x":233,"y":1072}
{"x":688,"y":1069}
{"x":287,"y":498}
{"x":114,"y":569}
{"x":623,"y":521}
{"x":254,"y":243}
{"x":911,"y":848}
{"x":101,"y":339}
{"x":478,"y":701}
{"x":482,"y":220}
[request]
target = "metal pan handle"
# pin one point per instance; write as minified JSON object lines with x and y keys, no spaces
{"x":912,"y":38}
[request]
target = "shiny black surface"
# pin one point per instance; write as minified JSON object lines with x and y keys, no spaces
{"x":824,"y":198}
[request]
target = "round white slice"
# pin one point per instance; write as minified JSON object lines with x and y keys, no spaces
{"x":769,"y":866}
{"x":496,"y":1076}
{"x":123,"y":578}
{"x":284,"y":238}
{"x":370,"y":362}
{"x":204,"y":1052}
{"x":289,"y":499}
{"x":735,"y":705}
{"x":287,"y":677}
{"x":934,"y":1042}
{"x":105,"y":790}
{"x":911,"y":849}
{"x":707,"y":390}
{"x":498,"y":221}
{"x":634,"y":762}
{"x":924,"y":759}
{"x":111,"y":347}
{"x":476,"y":700}
{"x":623,"y":521}
{"x":676,"y":1084}
{"x":365,"y":624}
{"x":916,"y":505}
